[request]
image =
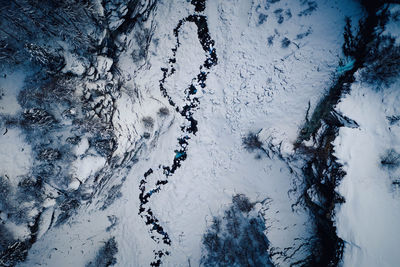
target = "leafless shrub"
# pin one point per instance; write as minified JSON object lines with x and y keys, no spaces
{"x":236,"y":239}
{"x":383,"y":61}
{"x":391,"y":159}
{"x":251,"y":142}
{"x":242,"y":202}
{"x":393,"y":119}
{"x":148,"y":122}
{"x":163,"y":112}
{"x":106,"y":255}
{"x":312,"y":6}
{"x":286,"y":42}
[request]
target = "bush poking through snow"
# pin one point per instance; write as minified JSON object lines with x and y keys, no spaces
{"x":312,"y":6}
{"x":14,"y":253}
{"x":148,"y":122}
{"x":104,"y":146}
{"x":391,"y":160}
{"x":383,"y":62}
{"x":270,"y":40}
{"x":242,"y":203}
{"x":37,"y":117}
{"x":393,"y":119}
{"x":285,"y":42}
{"x":251,"y":142}
{"x":163,"y":112}
{"x":49,"y":154}
{"x":236,"y":239}
{"x":106,"y":255}
{"x":44,"y":57}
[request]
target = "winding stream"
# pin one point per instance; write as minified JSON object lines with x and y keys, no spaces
{"x":157,"y":232}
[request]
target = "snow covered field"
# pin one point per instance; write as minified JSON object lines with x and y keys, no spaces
{"x":275,"y":61}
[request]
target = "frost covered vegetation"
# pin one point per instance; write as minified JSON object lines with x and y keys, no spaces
{"x":251,"y":142}
{"x":375,"y":55}
{"x":125,"y":125}
{"x":67,"y":51}
{"x":237,"y":238}
{"x":106,"y":255}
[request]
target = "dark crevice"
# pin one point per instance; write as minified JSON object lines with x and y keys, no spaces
{"x":322,"y":172}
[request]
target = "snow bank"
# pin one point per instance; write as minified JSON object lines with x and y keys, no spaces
{"x":369,"y":219}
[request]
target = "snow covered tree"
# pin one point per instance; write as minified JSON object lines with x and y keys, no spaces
{"x":383,"y":61}
{"x":237,"y":239}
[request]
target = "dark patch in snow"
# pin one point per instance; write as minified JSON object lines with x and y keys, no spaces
{"x":391,"y":159}
{"x":251,"y":142}
{"x":286,"y":42}
{"x":312,"y":6}
{"x":304,"y":34}
{"x":393,"y":119}
{"x":236,"y":239}
{"x":157,"y":232}
{"x":262,"y":18}
{"x":200,"y":5}
{"x":106,"y":255}
{"x":279,"y":16}
{"x":271,"y":40}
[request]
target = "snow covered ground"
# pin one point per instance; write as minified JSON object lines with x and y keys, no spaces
{"x":272,"y":60}
{"x":275,"y":62}
{"x":368,"y":221}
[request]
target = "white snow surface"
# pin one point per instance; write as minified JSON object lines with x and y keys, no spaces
{"x":254,"y":86}
{"x":11,"y":83}
{"x":369,"y":219}
{"x":15,"y":156}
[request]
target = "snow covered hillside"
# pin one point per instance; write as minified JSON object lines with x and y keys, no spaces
{"x":199,"y":133}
